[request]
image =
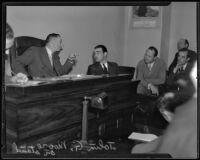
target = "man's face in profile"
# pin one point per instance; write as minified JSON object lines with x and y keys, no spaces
{"x":57,"y":43}
{"x":149,"y":56}
{"x":182,"y":57}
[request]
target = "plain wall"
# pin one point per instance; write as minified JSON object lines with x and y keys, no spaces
{"x":165,"y":36}
{"x":81,"y":27}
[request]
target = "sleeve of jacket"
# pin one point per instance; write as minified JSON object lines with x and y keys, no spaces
{"x":139,"y":75}
{"x":117,"y":68}
{"x":21,"y":61}
{"x":91,"y":70}
{"x":162,"y":75}
{"x":67,"y":67}
{"x":174,"y":62}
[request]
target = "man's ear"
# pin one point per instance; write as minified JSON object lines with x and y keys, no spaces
{"x":105,"y":54}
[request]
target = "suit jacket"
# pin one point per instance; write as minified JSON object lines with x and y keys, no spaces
{"x":173,"y":77}
{"x":156,"y":76}
{"x":96,"y":69}
{"x":39,"y":65}
{"x":193,"y":57}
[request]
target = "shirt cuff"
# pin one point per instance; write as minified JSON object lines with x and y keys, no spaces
{"x":148,"y":86}
{"x":71,"y":60}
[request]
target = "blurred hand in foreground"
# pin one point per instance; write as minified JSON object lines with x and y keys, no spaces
{"x":19,"y":78}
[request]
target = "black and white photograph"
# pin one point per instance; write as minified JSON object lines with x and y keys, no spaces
{"x":100,"y":80}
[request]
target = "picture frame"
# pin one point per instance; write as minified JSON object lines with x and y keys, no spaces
{"x":145,"y":16}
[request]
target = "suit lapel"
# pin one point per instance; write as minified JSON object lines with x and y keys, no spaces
{"x":56,"y":63}
{"x":110,"y":67}
{"x":98,"y":68}
{"x":46,"y":62}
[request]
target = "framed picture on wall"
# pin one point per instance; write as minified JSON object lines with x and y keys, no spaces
{"x":145,"y":16}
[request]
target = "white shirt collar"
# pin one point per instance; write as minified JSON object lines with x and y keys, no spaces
{"x":150,"y":65}
{"x":49,"y":52}
{"x":106,"y":64}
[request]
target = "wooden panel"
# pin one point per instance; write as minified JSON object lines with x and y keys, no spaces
{"x":53,"y":112}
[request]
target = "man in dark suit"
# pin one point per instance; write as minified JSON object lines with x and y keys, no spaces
{"x":179,"y":71}
{"x":101,"y":65}
{"x":183,"y":43}
{"x":44,"y":61}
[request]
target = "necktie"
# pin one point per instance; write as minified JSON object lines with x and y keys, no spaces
{"x":54,"y":62}
{"x":105,"y":70}
{"x":149,"y":66}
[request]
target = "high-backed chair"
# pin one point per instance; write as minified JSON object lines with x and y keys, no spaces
{"x":126,"y":70}
{"x":22,"y":43}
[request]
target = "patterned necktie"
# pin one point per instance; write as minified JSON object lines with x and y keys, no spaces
{"x":105,"y":70}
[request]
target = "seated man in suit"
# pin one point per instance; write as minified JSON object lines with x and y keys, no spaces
{"x":44,"y":61}
{"x":179,"y":71}
{"x":101,"y":65}
{"x":151,"y":71}
{"x":183,"y":43}
{"x":17,"y":78}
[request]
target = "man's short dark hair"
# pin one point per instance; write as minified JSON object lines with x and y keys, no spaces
{"x":104,"y":49}
{"x":50,"y":36}
{"x":152,"y":48}
{"x":9,"y":32}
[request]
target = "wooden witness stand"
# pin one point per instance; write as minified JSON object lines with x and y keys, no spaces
{"x":49,"y":113}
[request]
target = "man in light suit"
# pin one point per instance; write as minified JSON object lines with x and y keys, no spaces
{"x":102,"y":65}
{"x":44,"y":61}
{"x":151,"y":71}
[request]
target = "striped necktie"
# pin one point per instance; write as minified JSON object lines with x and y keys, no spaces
{"x":105,"y":70}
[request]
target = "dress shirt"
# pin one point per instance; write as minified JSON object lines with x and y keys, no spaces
{"x":50,"y":55}
{"x":150,"y":66}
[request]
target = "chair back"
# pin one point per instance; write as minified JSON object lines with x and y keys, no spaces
{"x":22,"y":43}
{"x":126,"y":70}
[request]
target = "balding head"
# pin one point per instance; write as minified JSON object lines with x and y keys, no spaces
{"x":182,"y":43}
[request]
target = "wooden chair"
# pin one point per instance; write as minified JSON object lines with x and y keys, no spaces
{"x":126,"y":70}
{"x":22,"y":43}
